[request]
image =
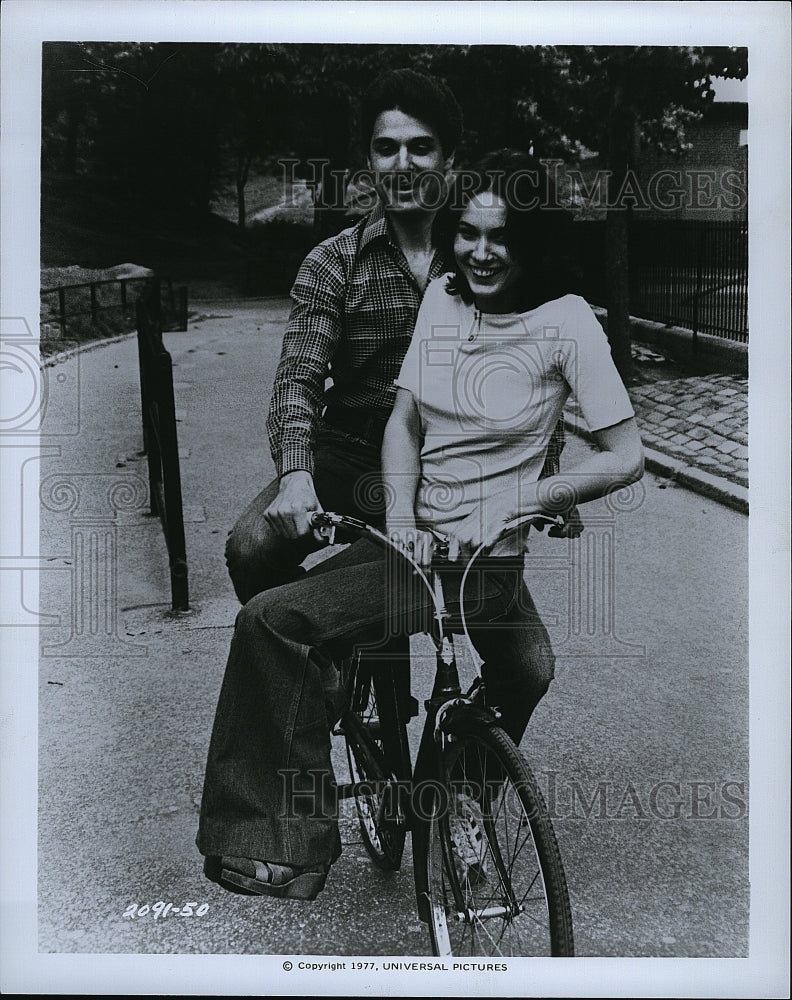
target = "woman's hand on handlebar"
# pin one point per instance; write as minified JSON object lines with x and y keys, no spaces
{"x":477,"y":534}
{"x":484,"y":526}
{"x":413,"y":542}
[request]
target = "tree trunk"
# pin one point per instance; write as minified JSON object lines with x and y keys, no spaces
{"x":617,"y":276}
{"x":73,"y":122}
{"x":330,"y":213}
{"x":243,"y":169}
{"x":621,"y":141}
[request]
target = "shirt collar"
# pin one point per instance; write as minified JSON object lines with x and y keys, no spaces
{"x":376,"y":226}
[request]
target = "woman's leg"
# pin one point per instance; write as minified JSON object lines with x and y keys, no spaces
{"x":518,"y":659}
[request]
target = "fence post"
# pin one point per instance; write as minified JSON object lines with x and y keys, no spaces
{"x":160,"y":438}
{"x":697,"y":294}
{"x":183,"y":307}
{"x":172,"y":515}
{"x":150,"y":444}
{"x":62,"y":309}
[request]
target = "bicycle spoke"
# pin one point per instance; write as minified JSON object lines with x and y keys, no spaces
{"x":510,"y":882}
{"x":372,"y":744}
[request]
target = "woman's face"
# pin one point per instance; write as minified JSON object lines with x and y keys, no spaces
{"x":482,"y":256}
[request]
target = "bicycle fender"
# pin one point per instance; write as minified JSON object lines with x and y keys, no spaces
{"x":461,"y":716}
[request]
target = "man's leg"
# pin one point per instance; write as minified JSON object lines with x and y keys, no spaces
{"x":346,"y":480}
{"x":268,"y":791}
{"x":257,"y":557}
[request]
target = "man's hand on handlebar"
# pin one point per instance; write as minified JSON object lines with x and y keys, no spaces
{"x":289,"y":514}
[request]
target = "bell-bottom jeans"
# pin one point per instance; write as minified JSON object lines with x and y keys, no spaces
{"x":268,"y":789}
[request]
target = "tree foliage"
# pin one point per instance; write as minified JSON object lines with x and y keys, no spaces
{"x":161,"y":121}
{"x":137,"y":117}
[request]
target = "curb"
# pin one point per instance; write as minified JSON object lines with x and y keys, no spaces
{"x":83,"y":348}
{"x":716,"y":488}
{"x":89,"y":345}
{"x":678,"y":343}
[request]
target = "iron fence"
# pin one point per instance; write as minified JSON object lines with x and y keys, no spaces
{"x":92,"y":298}
{"x":692,"y":274}
{"x":159,"y":438}
{"x":688,"y":273}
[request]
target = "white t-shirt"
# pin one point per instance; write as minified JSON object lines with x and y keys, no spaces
{"x":490,"y":389}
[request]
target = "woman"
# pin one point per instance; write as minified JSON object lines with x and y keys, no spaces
{"x":497,"y":349}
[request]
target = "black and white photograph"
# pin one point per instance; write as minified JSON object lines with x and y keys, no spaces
{"x":395,"y":498}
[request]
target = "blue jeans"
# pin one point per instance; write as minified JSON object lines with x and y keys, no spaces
{"x":268,"y":789}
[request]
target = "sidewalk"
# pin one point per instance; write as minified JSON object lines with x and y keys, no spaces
{"x":126,"y":691}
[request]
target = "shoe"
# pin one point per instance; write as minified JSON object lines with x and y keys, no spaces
{"x":251,"y":877}
{"x":469,"y":841}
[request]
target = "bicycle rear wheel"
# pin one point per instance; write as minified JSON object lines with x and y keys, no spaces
{"x":379,"y":757}
{"x":496,"y":883}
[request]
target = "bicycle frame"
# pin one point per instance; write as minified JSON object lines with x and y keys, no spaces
{"x":447,"y":707}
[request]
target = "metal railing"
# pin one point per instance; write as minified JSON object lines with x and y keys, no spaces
{"x":159,"y":438}
{"x":73,"y":302}
{"x":689,"y":273}
{"x":692,"y":274}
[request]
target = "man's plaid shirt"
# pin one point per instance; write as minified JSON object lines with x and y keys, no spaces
{"x":355,"y":302}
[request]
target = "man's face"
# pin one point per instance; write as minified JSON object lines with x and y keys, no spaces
{"x":407,"y":156}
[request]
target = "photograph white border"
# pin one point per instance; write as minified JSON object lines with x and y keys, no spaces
{"x":764,"y":28}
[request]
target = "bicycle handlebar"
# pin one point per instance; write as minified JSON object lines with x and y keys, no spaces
{"x":328,"y":521}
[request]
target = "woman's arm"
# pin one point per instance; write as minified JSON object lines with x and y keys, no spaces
{"x":619,"y":462}
{"x":401,"y":469}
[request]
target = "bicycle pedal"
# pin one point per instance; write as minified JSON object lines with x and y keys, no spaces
{"x":411,"y":708}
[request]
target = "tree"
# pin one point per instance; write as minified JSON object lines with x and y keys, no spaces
{"x":140,"y":118}
{"x":623,"y":97}
{"x":256,"y":84}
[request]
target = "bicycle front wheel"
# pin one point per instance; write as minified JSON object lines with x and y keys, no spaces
{"x":496,"y":883}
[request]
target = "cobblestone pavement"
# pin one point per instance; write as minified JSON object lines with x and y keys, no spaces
{"x":702,"y":420}
{"x":694,"y":426}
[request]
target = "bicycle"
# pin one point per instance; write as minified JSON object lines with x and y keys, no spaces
{"x":489,"y":879}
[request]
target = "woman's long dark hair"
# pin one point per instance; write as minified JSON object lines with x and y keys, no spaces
{"x":539,"y":231}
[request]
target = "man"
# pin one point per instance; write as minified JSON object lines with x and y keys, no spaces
{"x":355,"y":300}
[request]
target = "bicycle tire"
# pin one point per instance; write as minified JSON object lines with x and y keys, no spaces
{"x":513,"y":900}
{"x":378,"y":757}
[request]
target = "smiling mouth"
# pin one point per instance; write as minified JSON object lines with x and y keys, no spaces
{"x":484,"y":273}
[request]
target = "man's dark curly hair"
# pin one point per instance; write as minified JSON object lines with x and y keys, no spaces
{"x":538,"y":231}
{"x":419,"y":95}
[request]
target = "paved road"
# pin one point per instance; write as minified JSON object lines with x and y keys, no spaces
{"x":642,"y":741}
